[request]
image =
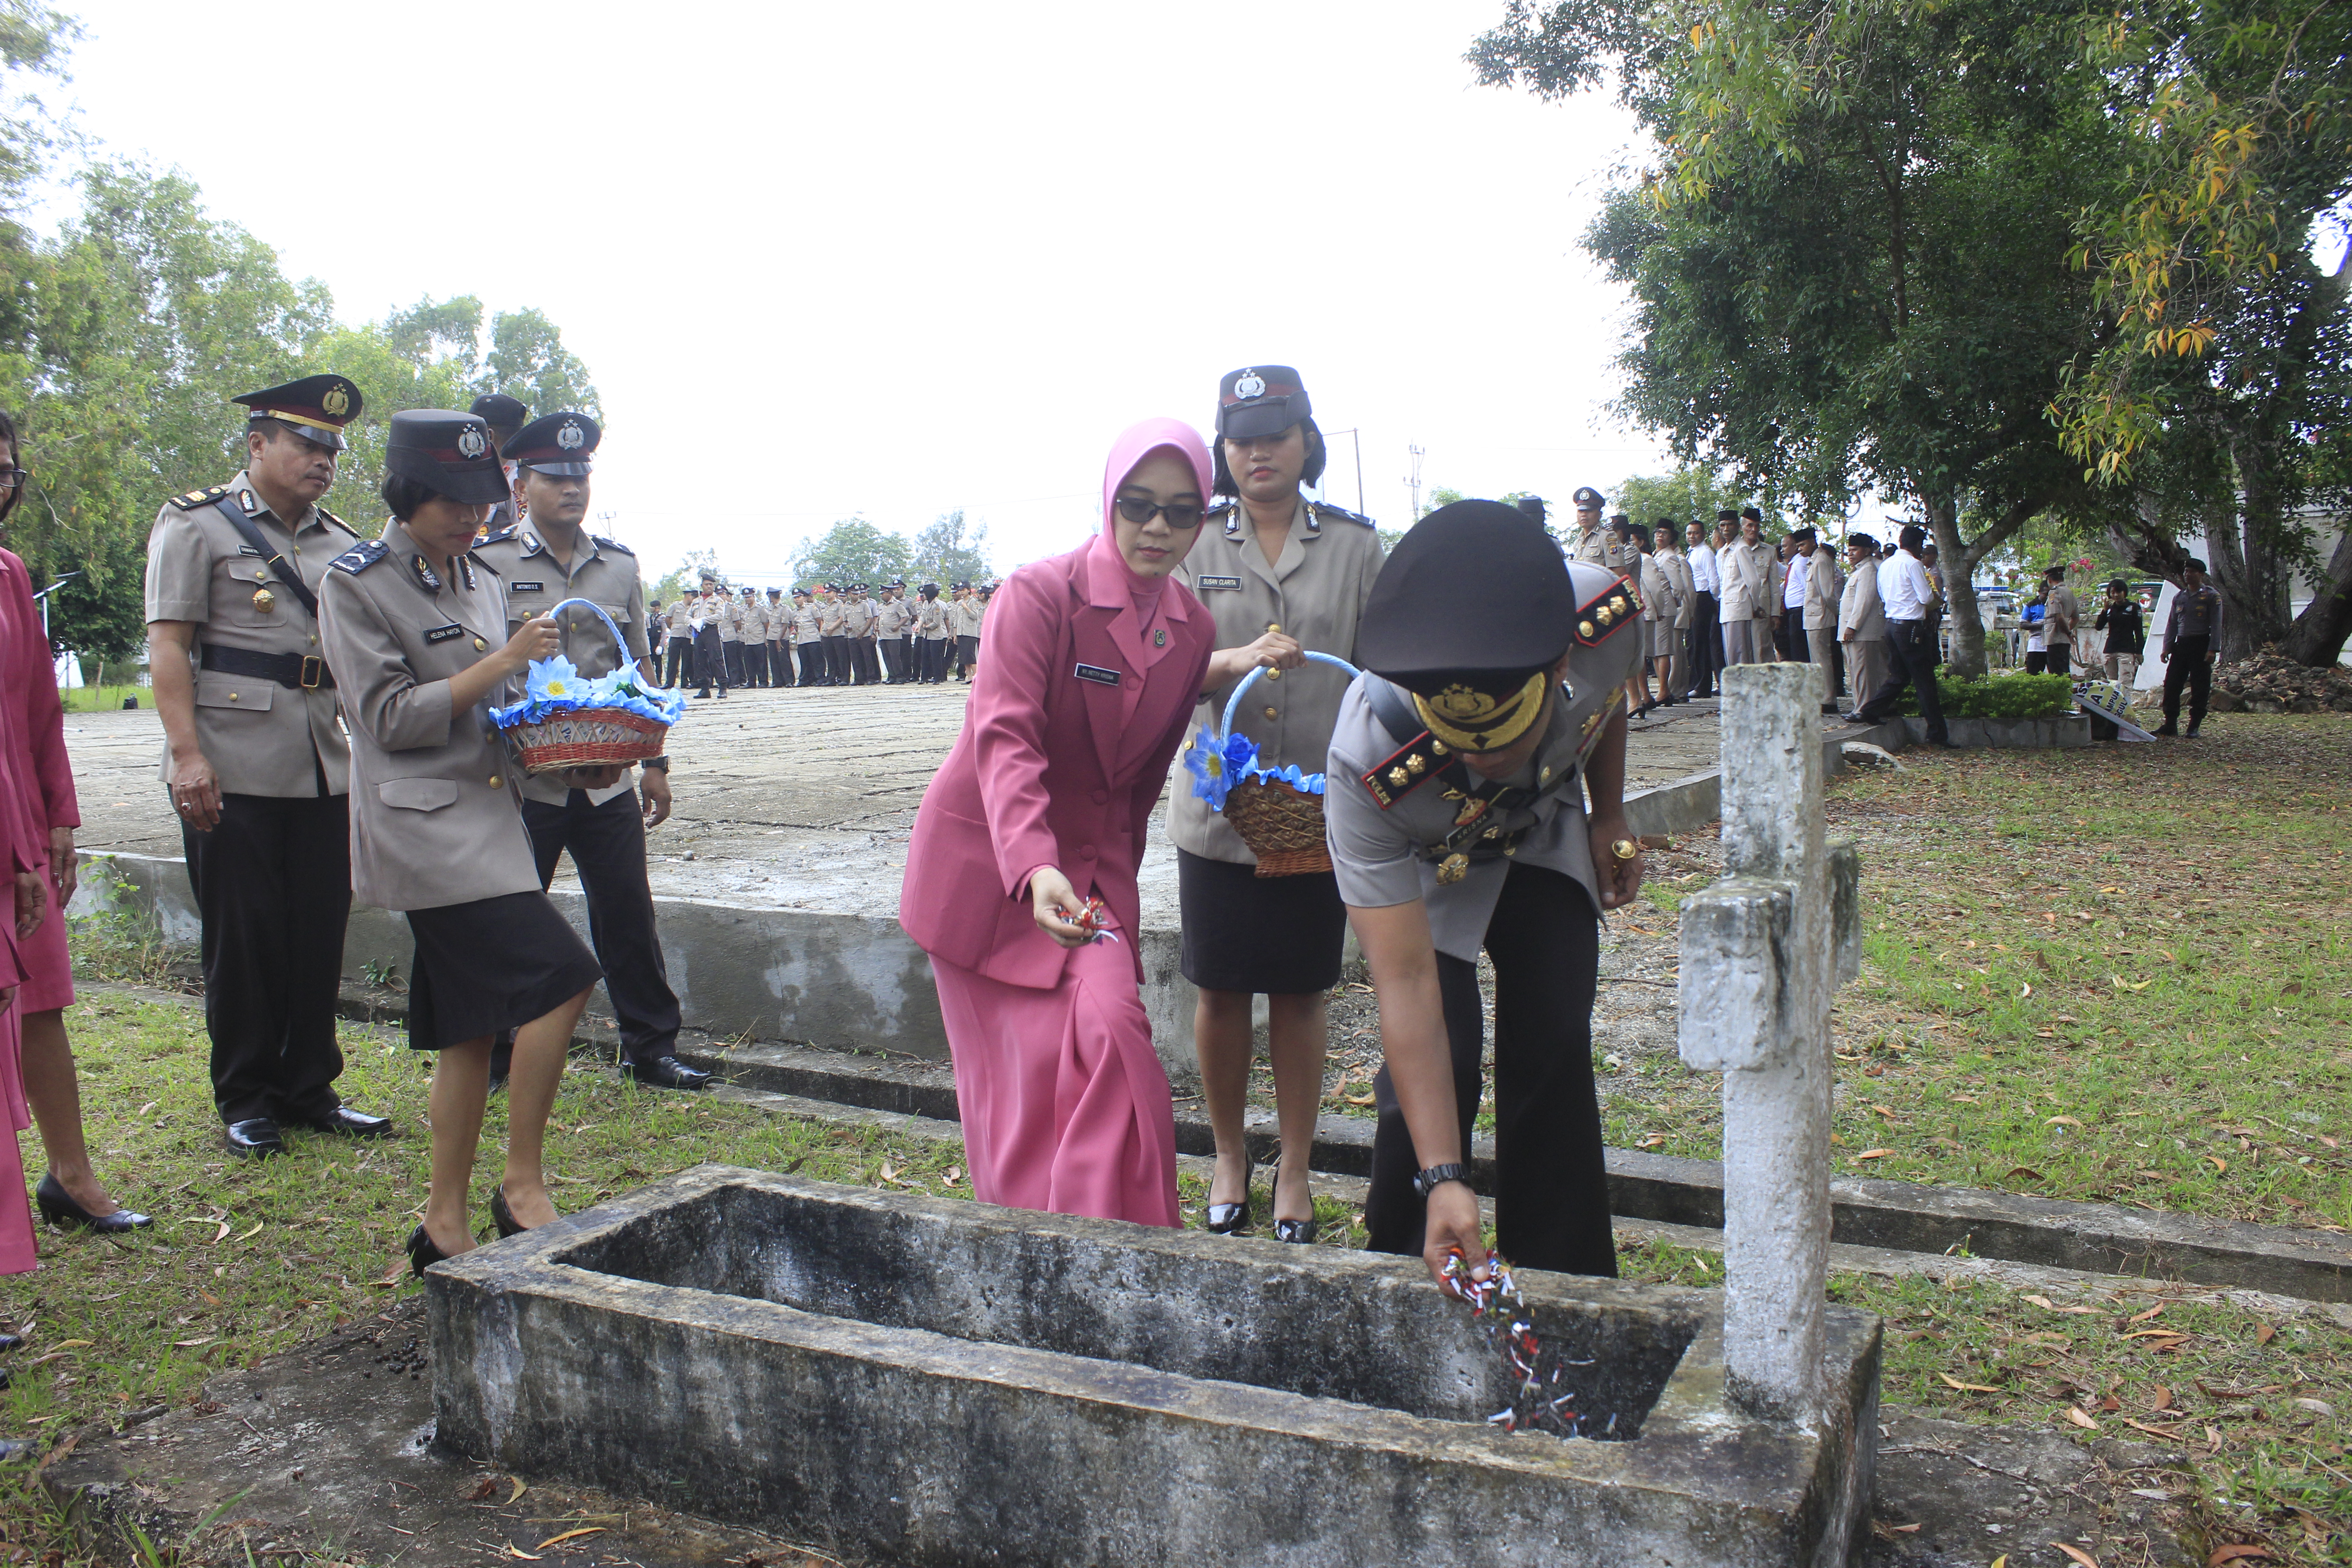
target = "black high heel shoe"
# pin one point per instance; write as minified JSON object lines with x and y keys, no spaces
{"x":503,"y":1216}
{"x":1297,"y":1230}
{"x":59,"y":1209}
{"x":1223,"y":1219}
{"x":422,"y":1253}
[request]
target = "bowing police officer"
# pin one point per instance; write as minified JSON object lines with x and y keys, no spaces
{"x":258,"y":764}
{"x":549,"y":559}
{"x":1488,"y":714}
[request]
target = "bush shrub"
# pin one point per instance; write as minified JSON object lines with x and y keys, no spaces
{"x":2000,"y":696}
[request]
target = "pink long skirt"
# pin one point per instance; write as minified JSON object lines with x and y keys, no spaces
{"x":1065,"y":1103}
{"x":17,"y":1251}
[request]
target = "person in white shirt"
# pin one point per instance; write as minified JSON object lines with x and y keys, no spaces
{"x":1705,"y":637}
{"x":1904,"y":593}
{"x":1796,"y":567}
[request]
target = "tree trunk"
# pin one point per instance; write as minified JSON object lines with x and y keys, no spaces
{"x":1960,"y":564}
{"x":2318,"y":634}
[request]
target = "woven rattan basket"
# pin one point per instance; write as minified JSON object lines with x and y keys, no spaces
{"x":1282,"y":825}
{"x":589,"y":737}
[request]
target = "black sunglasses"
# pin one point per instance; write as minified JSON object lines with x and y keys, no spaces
{"x":11,"y":479}
{"x":1181,"y":515}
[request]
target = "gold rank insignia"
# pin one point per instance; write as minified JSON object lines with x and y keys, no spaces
{"x":1606,"y":612}
{"x":1451,"y":869}
{"x":1472,"y":810}
{"x":264,"y":600}
{"x":1412,"y":765}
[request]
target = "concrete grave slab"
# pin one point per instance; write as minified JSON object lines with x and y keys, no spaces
{"x":939,"y":1382}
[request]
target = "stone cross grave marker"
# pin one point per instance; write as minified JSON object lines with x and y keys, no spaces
{"x":1762,"y":950}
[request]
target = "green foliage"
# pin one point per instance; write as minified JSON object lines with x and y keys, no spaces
{"x":943,"y":554}
{"x":686,"y":577}
{"x":1689,"y":492}
{"x":852,"y":551}
{"x":1999,"y":697}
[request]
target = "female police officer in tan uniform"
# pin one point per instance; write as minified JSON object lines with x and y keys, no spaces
{"x":415,"y":629}
{"x":1280,"y":575}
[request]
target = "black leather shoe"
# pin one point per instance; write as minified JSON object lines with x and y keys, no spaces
{"x":1223,"y":1219}
{"x":665,"y":1072}
{"x":2194,"y":725}
{"x":1298,"y":1230}
{"x":503,"y":1216}
{"x":2166,"y":728}
{"x":59,"y":1209}
{"x":345,"y":1122}
{"x":10,"y":1342}
{"x":422,"y":1253}
{"x":255,"y":1137}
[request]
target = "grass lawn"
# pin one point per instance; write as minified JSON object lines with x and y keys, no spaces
{"x":2118,"y":975}
{"x":101,"y":698}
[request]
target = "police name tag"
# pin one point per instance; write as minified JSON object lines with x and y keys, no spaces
{"x":1096,"y":673}
{"x":530,"y":588}
{"x":1218,"y":582}
{"x":443,"y":634}
{"x":246,"y":550}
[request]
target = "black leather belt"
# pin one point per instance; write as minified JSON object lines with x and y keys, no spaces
{"x":298,"y":672}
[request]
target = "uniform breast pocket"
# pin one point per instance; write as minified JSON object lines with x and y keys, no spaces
{"x":417,"y":795}
{"x":232,"y":693}
{"x":246,"y":593}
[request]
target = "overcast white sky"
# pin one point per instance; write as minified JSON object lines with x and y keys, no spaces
{"x":897,"y":259}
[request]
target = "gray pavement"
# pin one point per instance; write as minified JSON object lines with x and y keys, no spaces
{"x":786,"y":799}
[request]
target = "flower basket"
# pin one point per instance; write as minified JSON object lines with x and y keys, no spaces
{"x":1277,"y":812}
{"x":567,"y":720}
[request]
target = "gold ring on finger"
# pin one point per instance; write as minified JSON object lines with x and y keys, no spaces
{"x":1624,"y":850}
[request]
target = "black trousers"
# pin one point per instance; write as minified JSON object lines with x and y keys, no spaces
{"x":1911,"y":661}
{"x":812,"y":658}
{"x":681,"y":661}
{"x":779,"y":663}
{"x":894,"y":661}
{"x":1794,"y":648}
{"x":607,"y":844}
{"x":930,"y":660}
{"x":906,"y":656}
{"x":967,"y":655}
{"x":2189,"y":664}
{"x":273,"y":886}
{"x":1551,"y":1180}
{"x":709,"y":664}
{"x":1707,"y":642}
{"x":732,"y":653}
{"x":864,"y":668}
{"x":836,"y":660}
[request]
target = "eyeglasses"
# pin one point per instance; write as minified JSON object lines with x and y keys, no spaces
{"x":12,"y":478}
{"x":1181,"y":515}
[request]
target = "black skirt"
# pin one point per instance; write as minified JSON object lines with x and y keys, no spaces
{"x":491,"y":965}
{"x":1279,"y":935}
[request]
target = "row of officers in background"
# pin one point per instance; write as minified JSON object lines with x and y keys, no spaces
{"x":262,"y":698}
{"x":835,"y":634}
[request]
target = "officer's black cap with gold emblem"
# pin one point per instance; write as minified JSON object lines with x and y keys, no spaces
{"x":1260,"y":400}
{"x":560,"y":444}
{"x":446,"y":452}
{"x":500,"y":412}
{"x":1587,"y":499}
{"x":317,"y":407}
{"x":1469,"y":613}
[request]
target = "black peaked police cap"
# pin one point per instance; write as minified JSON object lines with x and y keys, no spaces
{"x":447,"y":452}
{"x":320,"y":406}
{"x":559,"y":443}
{"x":1472,"y":609}
{"x":501,"y":412}
{"x":1260,"y":400}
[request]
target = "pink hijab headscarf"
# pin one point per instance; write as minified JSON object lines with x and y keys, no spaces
{"x":1146,"y":610}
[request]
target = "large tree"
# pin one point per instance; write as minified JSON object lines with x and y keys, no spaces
{"x":949,"y":549}
{"x":852,"y":551}
{"x":1849,"y":263}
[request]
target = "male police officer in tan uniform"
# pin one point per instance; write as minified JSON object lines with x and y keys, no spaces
{"x":857,"y":615}
{"x":1594,"y":541}
{"x":547,"y":560}
{"x":895,"y":625}
{"x":258,"y":764}
{"x":780,"y":639}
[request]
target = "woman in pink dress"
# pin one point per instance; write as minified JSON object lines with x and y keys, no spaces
{"x":44,"y":815}
{"x":1094,"y":660}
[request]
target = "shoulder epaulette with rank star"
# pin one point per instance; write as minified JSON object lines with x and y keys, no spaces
{"x":195,"y":498}
{"x":605,"y":543}
{"x":1326,"y":510}
{"x":502,"y":535}
{"x":360,"y":556}
{"x":1413,"y":765}
{"x":1605,"y":613}
{"x":1227,"y":514}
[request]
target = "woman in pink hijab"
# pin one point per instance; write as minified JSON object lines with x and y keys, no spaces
{"x":1092,"y":662}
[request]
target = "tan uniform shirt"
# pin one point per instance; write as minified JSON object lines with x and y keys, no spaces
{"x":830,"y":619}
{"x":261,"y":738}
{"x":1823,"y":584}
{"x":602,"y":572}
{"x":1678,"y":571}
{"x":892,"y":617}
{"x":1859,"y":610}
{"x":857,"y":618}
{"x":1661,"y":600}
{"x":1314,"y":590}
{"x":780,"y":620}
{"x":437,"y":814}
{"x":805,"y":623}
{"x":727,"y":614}
{"x":931,"y":620}
{"x":1748,"y":578}
{"x":1601,"y":547}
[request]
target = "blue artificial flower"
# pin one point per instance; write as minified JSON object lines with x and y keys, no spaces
{"x":1241,"y":756}
{"x":1206,"y":762}
{"x":556,"y":678}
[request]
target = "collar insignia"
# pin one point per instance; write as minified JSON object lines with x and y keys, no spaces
{"x":426,"y":575}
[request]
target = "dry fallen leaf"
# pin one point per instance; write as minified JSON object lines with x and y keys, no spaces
{"x":2171,"y":1432}
{"x":572,"y":1535}
{"x":2079,"y":1419}
{"x":1873,"y":1154}
{"x":2218,"y":1163}
{"x":2235,"y":1554}
{"x":1361,"y":1098}
{"x":2062,"y":1121}
{"x":516,"y":1496}
{"x":221,"y":1235}
{"x":258,"y":1227}
{"x":2316,"y":1406}
{"x":1970,"y":1388}
{"x":209,"y":1299}
{"x":2144,"y":1317}
{"x":478,"y":1490}
{"x":2026,"y":1172}
{"x":2265,"y":1333}
{"x":2077,"y":1553}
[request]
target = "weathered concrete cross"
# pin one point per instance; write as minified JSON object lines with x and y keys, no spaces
{"x":1762,"y":950}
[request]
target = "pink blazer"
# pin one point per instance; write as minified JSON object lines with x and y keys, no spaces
{"x":1047,"y":772}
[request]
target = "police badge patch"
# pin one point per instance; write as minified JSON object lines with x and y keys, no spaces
{"x":571,"y":437}
{"x":472,"y":443}
{"x":1249,"y":385}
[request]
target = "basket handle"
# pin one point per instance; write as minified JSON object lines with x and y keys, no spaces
{"x":620,"y":643}
{"x":1233,"y":703}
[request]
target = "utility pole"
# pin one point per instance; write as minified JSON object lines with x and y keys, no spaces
{"x":1358,"y":436}
{"x":1412,"y":484}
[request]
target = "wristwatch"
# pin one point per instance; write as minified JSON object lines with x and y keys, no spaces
{"x":1436,"y":1176}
